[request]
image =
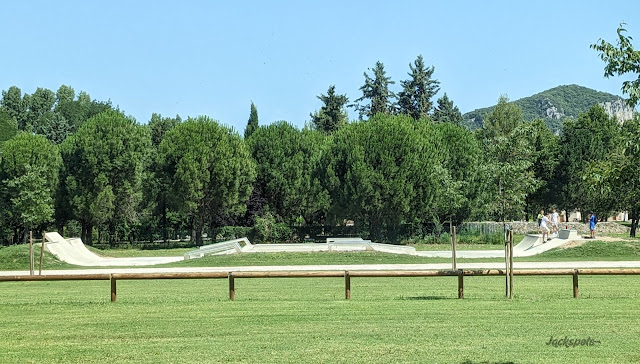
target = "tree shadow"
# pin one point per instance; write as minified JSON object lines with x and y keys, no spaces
{"x":426,"y":298}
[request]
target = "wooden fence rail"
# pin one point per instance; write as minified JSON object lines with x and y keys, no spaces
{"x":347,"y":275}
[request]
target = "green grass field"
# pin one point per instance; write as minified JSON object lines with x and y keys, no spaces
{"x":388,"y":320}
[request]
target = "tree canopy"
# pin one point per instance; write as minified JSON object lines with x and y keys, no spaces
{"x":620,"y":60}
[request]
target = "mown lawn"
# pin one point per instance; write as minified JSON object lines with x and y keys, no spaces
{"x":388,"y":320}
{"x":17,"y":257}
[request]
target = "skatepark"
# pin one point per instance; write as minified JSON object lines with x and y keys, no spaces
{"x":73,"y":250}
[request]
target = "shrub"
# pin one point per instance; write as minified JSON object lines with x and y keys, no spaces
{"x":267,"y":230}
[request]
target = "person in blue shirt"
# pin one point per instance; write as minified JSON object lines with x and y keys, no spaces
{"x":592,"y":224}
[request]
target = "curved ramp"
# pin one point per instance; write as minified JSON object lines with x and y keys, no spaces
{"x":530,"y":245}
{"x":73,"y":251}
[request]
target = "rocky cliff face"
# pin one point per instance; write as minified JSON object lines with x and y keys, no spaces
{"x":619,"y":109}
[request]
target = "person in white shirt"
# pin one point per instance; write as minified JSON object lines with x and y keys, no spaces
{"x":554,"y":221}
{"x":544,"y":226}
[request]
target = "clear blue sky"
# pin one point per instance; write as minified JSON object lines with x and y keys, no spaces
{"x":213,"y":57}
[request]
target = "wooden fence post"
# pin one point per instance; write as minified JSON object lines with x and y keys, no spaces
{"x":347,"y":285}
{"x":30,"y":253}
{"x":510,"y":263}
{"x":453,"y":247}
{"x":460,"y":284}
{"x":506,"y":264}
{"x":232,"y":287}
{"x":41,"y":254}
{"x":113,"y":288}
{"x":576,"y":290}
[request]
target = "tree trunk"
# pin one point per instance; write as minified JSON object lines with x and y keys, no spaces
{"x":83,"y":232}
{"x":24,"y":235}
{"x":15,"y":236}
{"x":634,"y":222}
{"x":163,"y":222}
{"x":89,"y":233}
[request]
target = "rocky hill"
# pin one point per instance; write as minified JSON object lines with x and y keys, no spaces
{"x":559,"y":103}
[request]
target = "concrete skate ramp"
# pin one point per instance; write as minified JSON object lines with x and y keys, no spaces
{"x":530,"y":245}
{"x":73,"y":251}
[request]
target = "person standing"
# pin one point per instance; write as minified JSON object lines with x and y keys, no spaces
{"x":544,"y":226}
{"x":554,"y":221}
{"x":593,"y":220}
{"x":539,"y":218}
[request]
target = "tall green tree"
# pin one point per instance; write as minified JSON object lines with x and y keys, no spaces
{"x":508,"y":161}
{"x":376,"y":94}
{"x":103,"y":163}
{"x":65,"y":94}
{"x":379,"y":173}
{"x":333,"y":114}
{"x":417,"y":92}
{"x":617,"y":175}
{"x":252,"y":124}
{"x":457,"y":174}
{"x":77,"y":111}
{"x":40,"y":102}
{"x":286,"y":159}
{"x":53,"y":126}
{"x":210,"y":168}
{"x":8,"y":126}
{"x":590,"y":138}
{"x":622,"y":59}
{"x":446,"y":112}
{"x":545,"y":157}
{"x":160,"y":125}
{"x":157,"y":183}
{"x":29,"y":174}
{"x":15,"y":105}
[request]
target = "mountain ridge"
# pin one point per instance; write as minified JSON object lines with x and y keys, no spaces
{"x":557,"y":104}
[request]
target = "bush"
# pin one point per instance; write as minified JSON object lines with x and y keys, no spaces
{"x":232,"y":232}
{"x":267,"y":230}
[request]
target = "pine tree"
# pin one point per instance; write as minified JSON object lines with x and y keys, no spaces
{"x":252,"y":124}
{"x":332,"y":115}
{"x":415,"y":98}
{"x":446,"y":112}
{"x":376,"y":90}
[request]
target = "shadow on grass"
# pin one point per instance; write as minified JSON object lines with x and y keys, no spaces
{"x":426,"y":298}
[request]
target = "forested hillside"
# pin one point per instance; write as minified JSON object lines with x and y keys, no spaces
{"x":554,"y":106}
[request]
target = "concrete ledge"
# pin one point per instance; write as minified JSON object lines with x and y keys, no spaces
{"x":568,"y":234}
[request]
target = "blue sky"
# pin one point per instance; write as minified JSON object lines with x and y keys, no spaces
{"x":213,"y":57}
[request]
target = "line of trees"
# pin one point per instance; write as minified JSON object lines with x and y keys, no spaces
{"x":74,"y":163}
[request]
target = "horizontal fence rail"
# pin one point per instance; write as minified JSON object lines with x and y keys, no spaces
{"x":347,"y":275}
